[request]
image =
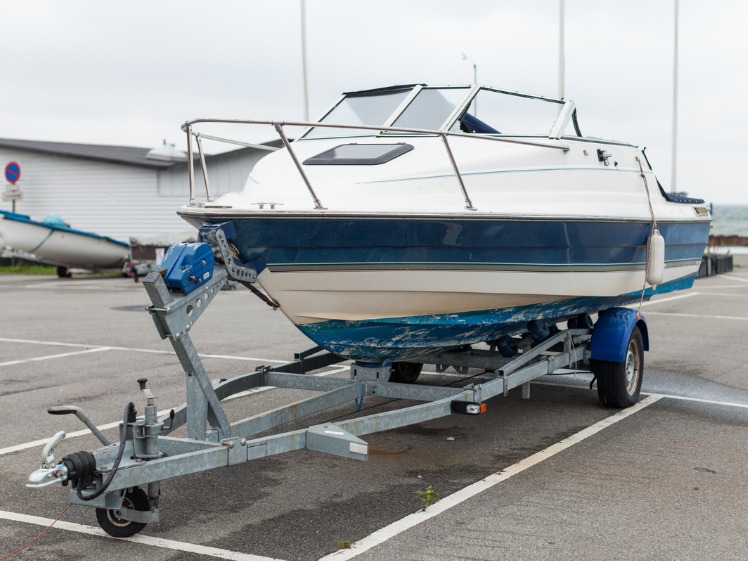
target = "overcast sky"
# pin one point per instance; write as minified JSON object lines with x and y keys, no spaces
{"x":130,"y":73}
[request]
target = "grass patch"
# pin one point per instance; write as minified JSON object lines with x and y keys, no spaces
{"x":428,"y":496}
{"x":28,"y":269}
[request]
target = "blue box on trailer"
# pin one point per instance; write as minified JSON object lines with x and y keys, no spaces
{"x":187,"y":266}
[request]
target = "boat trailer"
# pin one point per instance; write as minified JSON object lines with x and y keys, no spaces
{"x":122,"y":480}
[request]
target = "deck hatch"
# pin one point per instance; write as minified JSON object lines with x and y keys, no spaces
{"x":359,"y":154}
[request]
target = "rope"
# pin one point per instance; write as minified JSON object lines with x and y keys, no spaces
{"x":37,"y":246}
{"x":27,"y":544}
{"x":654,"y":229}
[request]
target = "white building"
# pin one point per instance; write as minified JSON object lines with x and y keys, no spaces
{"x":116,"y":191}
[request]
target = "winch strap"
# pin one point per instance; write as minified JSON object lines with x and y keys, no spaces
{"x":261,"y":295}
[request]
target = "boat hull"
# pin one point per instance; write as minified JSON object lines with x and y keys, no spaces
{"x":408,"y":337}
{"x":378,"y":288}
{"x":60,"y":245}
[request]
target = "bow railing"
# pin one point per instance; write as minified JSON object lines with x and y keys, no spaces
{"x":278,"y":126}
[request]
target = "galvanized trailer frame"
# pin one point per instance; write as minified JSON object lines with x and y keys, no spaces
{"x":149,"y":453}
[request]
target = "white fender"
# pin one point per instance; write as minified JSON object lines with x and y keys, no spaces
{"x":655,"y":258}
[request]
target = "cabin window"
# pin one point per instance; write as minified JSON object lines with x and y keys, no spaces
{"x":359,"y":154}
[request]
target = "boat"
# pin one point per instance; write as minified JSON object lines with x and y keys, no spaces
{"x":415,"y":219}
{"x":54,"y":242}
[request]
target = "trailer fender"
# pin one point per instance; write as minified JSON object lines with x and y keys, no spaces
{"x":611,"y":333}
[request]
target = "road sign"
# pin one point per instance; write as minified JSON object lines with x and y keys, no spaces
{"x":12,"y":194}
{"x":12,"y":172}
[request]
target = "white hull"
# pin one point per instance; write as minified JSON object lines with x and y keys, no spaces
{"x":61,"y":246}
{"x":360,"y":295}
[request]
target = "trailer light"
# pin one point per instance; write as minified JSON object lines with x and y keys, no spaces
{"x":468,"y":407}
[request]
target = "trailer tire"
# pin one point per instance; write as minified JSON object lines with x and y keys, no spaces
{"x":405,"y":372}
{"x":113,"y":525}
{"x":619,"y":383}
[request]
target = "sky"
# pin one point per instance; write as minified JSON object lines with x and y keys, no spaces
{"x":130,"y":73}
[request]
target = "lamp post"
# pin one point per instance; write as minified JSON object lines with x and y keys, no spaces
{"x":673,"y":187}
{"x":303,"y":60}
{"x":475,"y":67}
{"x":561,"y":49}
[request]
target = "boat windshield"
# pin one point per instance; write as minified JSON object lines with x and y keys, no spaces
{"x":431,"y":108}
{"x":489,"y":111}
{"x":370,"y":109}
{"x":495,"y":111}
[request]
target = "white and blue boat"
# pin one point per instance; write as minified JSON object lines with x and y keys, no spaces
{"x":53,"y":241}
{"x":413,"y":219}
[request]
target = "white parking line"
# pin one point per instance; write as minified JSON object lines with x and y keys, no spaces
{"x":700,"y":400}
{"x":50,"y":357}
{"x":729,"y":277}
{"x":697,"y":316}
{"x":388,"y":532}
{"x":671,"y":298}
{"x":53,"y":343}
{"x":152,"y":351}
{"x":145,"y":540}
{"x":79,"y":285}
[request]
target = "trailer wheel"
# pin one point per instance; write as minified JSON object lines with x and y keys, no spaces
{"x":405,"y":372}
{"x":619,"y":383}
{"x":112,"y":524}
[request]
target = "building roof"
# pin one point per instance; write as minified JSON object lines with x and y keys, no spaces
{"x":128,"y":155}
{"x":116,"y":154}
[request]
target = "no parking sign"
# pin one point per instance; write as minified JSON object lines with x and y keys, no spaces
{"x":12,"y":172}
{"x":12,"y":175}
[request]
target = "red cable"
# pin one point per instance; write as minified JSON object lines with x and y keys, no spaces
{"x":24,"y":546}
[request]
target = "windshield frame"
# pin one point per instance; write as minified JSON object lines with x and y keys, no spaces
{"x":414,"y":89}
{"x":566,"y":114}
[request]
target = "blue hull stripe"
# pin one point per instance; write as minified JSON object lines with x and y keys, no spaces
{"x":319,"y":242}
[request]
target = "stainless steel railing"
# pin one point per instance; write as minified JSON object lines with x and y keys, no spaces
{"x":278,"y":126}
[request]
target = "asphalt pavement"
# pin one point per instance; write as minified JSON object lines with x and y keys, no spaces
{"x":557,"y":476}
